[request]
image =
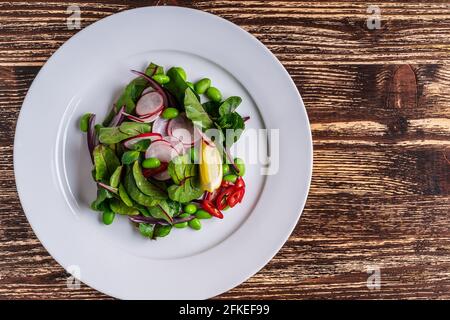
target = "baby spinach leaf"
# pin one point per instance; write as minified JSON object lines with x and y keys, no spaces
{"x":117,"y":206}
{"x":195,"y":111}
{"x":111,"y":135}
{"x":146,"y":229}
{"x":232,"y":123}
{"x":101,"y":201}
{"x":185,"y":176}
{"x":176,"y":86}
{"x":212,"y":109}
{"x":146,"y":186}
{"x":229,"y":105}
{"x":134,"y":192}
{"x":105,"y":162}
{"x":129,"y":157}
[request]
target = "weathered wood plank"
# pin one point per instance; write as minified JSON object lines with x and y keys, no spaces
{"x":297,"y":32}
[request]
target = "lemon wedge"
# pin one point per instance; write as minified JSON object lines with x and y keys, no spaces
{"x":210,"y":167}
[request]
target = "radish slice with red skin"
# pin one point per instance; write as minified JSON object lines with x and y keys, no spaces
{"x":162,"y":150}
{"x":177,"y":144}
{"x":144,"y":136}
{"x":149,"y":104}
{"x":147,"y":90}
{"x":182,"y":129}
{"x":146,"y":119}
{"x":160,"y":126}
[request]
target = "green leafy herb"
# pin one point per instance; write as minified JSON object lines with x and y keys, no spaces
{"x":124,"y":196}
{"x":101,"y":202}
{"x":134,"y":128}
{"x":114,"y":180}
{"x":231,"y":124}
{"x":154,"y":69}
{"x":212,"y":109}
{"x":176,"y":86}
{"x":229,"y":105}
{"x":195,"y":111}
{"x":111,"y":135}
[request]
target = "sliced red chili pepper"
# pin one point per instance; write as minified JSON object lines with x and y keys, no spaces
{"x":241,"y":194}
{"x":226,"y":183}
{"x":233,"y":199}
{"x":151,"y":172}
{"x":209,"y":207}
{"x":239,"y":183}
{"x":224,"y":193}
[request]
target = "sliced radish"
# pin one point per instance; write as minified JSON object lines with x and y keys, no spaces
{"x":146,"y":119}
{"x":151,"y":172}
{"x":162,"y":150}
{"x":182,"y":129}
{"x":160,"y":126}
{"x":149,"y":104}
{"x":144,"y":136}
{"x":147,"y":90}
{"x":177,"y":144}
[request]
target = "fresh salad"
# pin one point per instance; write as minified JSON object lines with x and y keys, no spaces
{"x":161,"y":157}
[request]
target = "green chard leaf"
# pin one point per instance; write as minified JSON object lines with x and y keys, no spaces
{"x":134,"y":192}
{"x":129,"y":157}
{"x":119,"y":207}
{"x":154,"y":69}
{"x":111,"y":135}
{"x":146,"y":229}
{"x":100,"y":203}
{"x":195,"y":111}
{"x":105,"y":162}
{"x":134,"y":128}
{"x":229,"y":105}
{"x":166,"y":210}
{"x":212,"y":109}
{"x":146,"y":186}
{"x":185,"y":176}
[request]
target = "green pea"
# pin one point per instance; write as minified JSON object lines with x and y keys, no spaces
{"x":170,"y":113}
{"x":151,"y":163}
{"x":240,"y":164}
{"x":195,"y":224}
{"x":202,"y":214}
{"x":225,"y":169}
{"x":108,"y":217}
{"x":84,"y":122}
{"x":202,"y":85}
{"x":214,"y":94}
{"x":230,"y":178}
{"x":161,"y":78}
{"x":190,"y":85}
{"x":190,"y":208}
{"x":162,"y":231}
{"x":181,"y":72}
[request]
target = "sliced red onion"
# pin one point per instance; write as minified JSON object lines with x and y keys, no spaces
{"x":246,"y":118}
{"x":92,"y":139}
{"x":231,"y":160}
{"x":149,"y":104}
{"x":172,"y":102}
{"x":143,"y":136}
{"x":162,"y":176}
{"x":118,"y":118}
{"x":151,"y":220}
{"x":109,"y":188}
{"x":155,"y":85}
{"x":147,"y":119}
{"x":154,"y":171}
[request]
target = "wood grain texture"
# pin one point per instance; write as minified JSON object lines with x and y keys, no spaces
{"x":379,"y":106}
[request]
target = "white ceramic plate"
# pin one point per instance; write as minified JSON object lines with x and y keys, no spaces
{"x":52,"y":165}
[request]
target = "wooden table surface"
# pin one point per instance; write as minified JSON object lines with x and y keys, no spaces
{"x":379,"y":106}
